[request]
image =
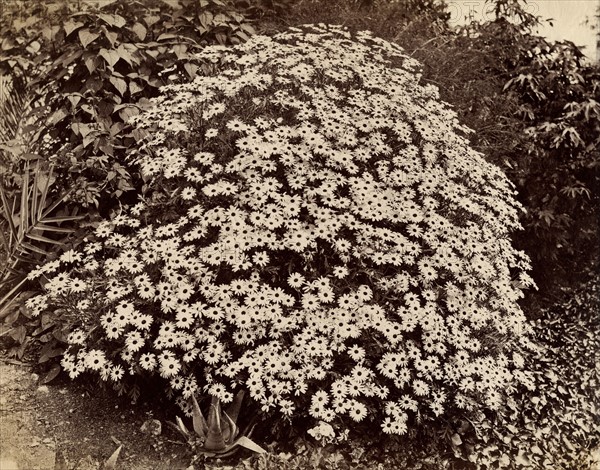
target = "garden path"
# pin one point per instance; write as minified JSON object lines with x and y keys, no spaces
{"x":42,"y":423}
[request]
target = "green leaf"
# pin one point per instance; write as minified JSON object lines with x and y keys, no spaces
{"x":87,"y":37}
{"x":58,"y":116}
{"x":113,"y":20}
{"x":125,"y":54}
{"x":249,"y":444}
{"x":200,"y":424}
{"x":230,"y":429}
{"x":110,"y":35}
{"x":191,"y":69}
{"x":134,"y":88}
{"x":51,"y":374}
{"x":110,"y":56}
{"x":34,"y":249}
{"x":52,"y":352}
{"x":42,"y":239}
{"x":71,"y":26}
{"x":19,"y":333}
{"x":64,"y":218}
{"x":233,"y":410}
{"x":81,"y":128}
{"x":214,"y":435}
{"x":140,"y":30}
{"x":182,"y":427}
{"x":119,"y":84}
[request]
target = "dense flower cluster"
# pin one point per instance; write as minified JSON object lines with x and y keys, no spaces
{"x":316,"y":230}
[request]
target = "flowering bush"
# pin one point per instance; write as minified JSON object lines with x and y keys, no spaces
{"x":315,"y":229}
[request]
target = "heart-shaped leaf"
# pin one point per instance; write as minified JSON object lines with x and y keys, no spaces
{"x":87,"y":37}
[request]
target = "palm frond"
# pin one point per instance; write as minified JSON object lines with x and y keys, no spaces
{"x":14,"y":107}
{"x":30,"y":230}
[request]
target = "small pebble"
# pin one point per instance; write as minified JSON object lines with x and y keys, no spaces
{"x":152,"y":426}
{"x":43,"y":389}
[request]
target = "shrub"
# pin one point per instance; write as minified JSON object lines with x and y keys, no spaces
{"x":534,"y":107}
{"x":314,"y":229}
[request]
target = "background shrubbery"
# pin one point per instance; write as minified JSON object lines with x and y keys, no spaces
{"x":77,"y":75}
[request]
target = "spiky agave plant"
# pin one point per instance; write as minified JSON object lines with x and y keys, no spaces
{"x":218,"y":435}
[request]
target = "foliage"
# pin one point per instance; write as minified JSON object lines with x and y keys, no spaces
{"x":555,"y":423}
{"x":30,"y":219}
{"x":387,"y":19}
{"x":110,"y":60}
{"x":216,"y":435}
{"x":316,"y":231}
{"x":76,"y":78}
{"x":534,"y":107}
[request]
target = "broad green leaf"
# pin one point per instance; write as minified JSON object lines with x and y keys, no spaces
{"x":191,"y":69}
{"x":74,"y":99}
{"x":110,"y":56}
{"x":119,"y":84}
{"x":51,"y":374}
{"x":71,"y":26}
{"x":140,"y":30}
{"x":50,"y":32}
{"x":49,"y":354}
{"x":125,"y":54}
{"x":113,"y":20}
{"x":180,"y":51}
{"x":110,"y":35}
{"x":58,"y":116}
{"x":87,"y":37}
{"x":81,"y":128}
{"x":91,"y":63}
{"x":127,"y":113}
{"x":151,"y":19}
{"x":134,"y":88}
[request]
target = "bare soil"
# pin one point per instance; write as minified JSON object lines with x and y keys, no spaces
{"x":65,"y":427}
